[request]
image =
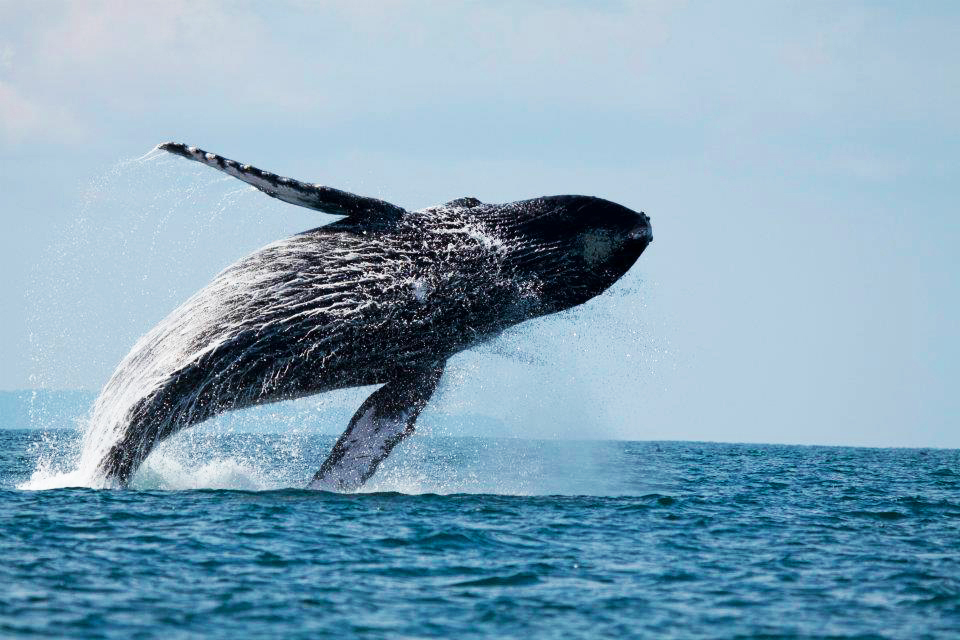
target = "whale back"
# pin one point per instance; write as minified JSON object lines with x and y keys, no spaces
{"x":337,"y":306}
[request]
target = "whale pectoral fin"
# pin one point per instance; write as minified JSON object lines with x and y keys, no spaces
{"x":383,"y":420}
{"x":311,"y":196}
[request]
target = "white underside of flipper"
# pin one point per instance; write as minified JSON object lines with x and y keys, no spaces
{"x":384,"y":419}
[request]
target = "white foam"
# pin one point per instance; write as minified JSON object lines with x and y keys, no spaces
{"x":169,"y":473}
{"x":44,"y":479}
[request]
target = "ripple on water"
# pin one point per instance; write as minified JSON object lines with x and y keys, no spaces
{"x":685,"y":540}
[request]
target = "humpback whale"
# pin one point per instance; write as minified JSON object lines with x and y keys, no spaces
{"x":382,"y":296}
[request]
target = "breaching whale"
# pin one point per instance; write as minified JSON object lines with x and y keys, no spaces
{"x":383,"y":296}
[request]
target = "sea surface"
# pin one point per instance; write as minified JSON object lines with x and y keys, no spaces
{"x":484,"y":538}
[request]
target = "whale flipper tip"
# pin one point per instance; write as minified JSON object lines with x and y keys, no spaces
{"x":176,"y":148}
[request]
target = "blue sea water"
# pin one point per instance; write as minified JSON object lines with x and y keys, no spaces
{"x":480,"y":538}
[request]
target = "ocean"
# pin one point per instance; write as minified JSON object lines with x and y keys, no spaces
{"x":482,"y":538}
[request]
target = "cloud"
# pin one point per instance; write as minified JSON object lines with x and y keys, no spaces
{"x":24,"y":119}
{"x":132,"y":53}
{"x":328,"y":59}
{"x":6,"y":57}
{"x":866,"y":165}
{"x":336,"y":64}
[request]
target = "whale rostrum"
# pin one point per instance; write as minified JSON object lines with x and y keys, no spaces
{"x":382,"y":296}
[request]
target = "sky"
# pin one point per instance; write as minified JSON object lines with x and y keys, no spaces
{"x":798,"y":162}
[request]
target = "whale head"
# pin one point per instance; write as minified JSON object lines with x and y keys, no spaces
{"x":573,"y":247}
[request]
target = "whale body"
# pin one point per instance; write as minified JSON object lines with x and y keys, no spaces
{"x":383,"y":296}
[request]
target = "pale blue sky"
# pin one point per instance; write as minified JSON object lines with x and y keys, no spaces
{"x":798,"y":160}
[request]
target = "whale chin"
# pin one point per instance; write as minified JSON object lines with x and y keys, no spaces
{"x":643,"y":232}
